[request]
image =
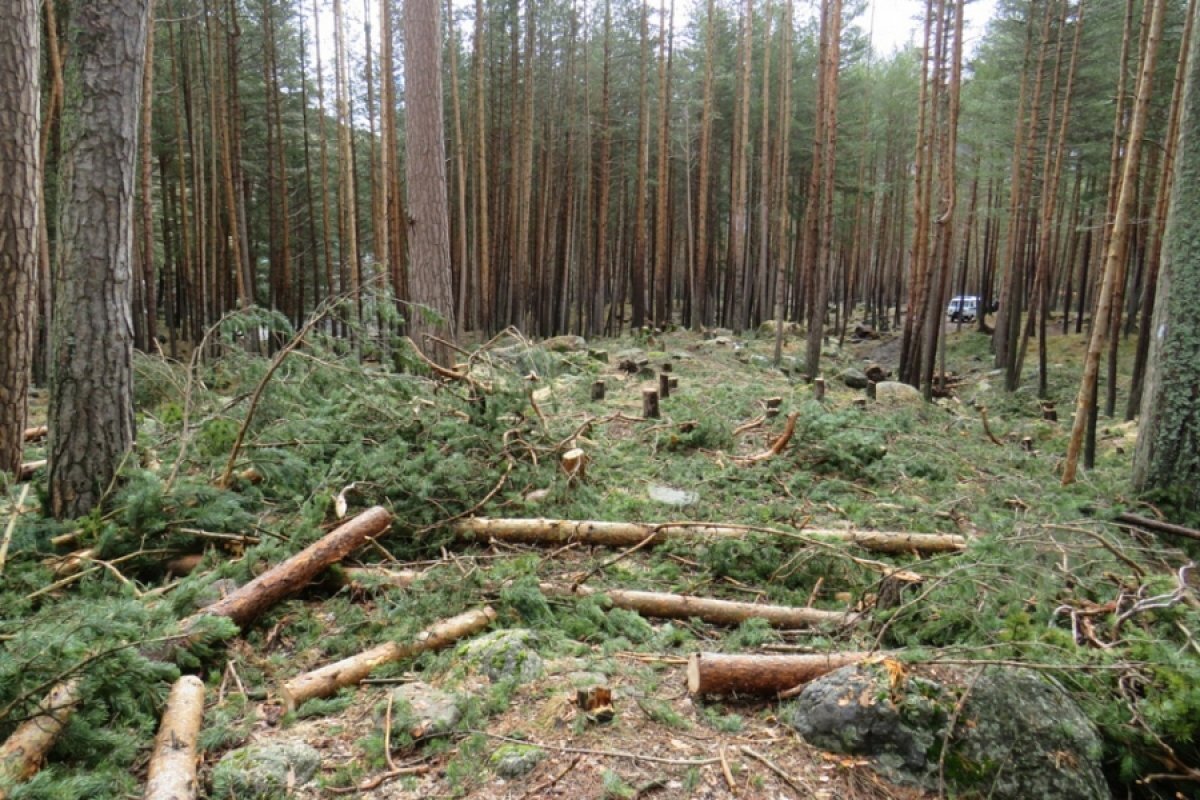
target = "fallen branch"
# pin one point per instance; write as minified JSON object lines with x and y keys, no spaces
{"x":988,"y":428}
{"x":22,"y":753}
{"x":716,"y":673}
{"x":718,"y":612}
{"x":173,"y":765}
{"x":349,"y":671}
{"x":776,"y":447}
{"x":11,"y":526}
{"x":285,"y":579}
{"x":629,"y":534}
{"x":1157,"y":526}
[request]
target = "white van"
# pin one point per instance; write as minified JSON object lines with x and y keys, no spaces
{"x":964,"y":307}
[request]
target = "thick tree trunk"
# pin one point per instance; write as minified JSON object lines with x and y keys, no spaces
{"x":173,"y":764}
{"x":91,"y":386}
{"x":429,"y":240}
{"x":20,"y":72}
{"x":349,"y":671}
{"x":716,"y":673}
{"x":1167,"y":457}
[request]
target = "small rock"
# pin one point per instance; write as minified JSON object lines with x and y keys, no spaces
{"x":506,"y":654}
{"x":895,"y":393}
{"x":854,"y":378}
{"x":421,"y":710}
{"x":266,"y":771}
{"x":598,"y":355}
{"x":515,"y":760}
{"x":672,"y":497}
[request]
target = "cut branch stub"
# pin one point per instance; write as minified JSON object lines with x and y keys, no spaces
{"x":716,"y":673}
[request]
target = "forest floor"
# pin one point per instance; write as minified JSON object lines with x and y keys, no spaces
{"x":334,"y":438}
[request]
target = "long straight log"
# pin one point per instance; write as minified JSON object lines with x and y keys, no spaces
{"x":349,"y":671}
{"x":35,"y":433}
{"x":22,"y":753}
{"x":1157,"y":525}
{"x":289,"y":577}
{"x":718,"y":612}
{"x":628,"y":534}
{"x":173,"y":764}
{"x":715,"y":673}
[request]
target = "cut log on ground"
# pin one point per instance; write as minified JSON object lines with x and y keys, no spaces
{"x":173,"y":765}
{"x":35,"y":433}
{"x":718,"y":612}
{"x":29,"y":468}
{"x":715,"y":673}
{"x":349,"y":671}
{"x":289,"y":577}
{"x":627,"y":534}
{"x":22,"y":754}
{"x":1157,"y":525}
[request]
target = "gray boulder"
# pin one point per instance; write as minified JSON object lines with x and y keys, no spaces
{"x":506,"y":655}
{"x":854,"y":378}
{"x":1017,"y":736}
{"x":421,"y":710}
{"x":515,"y":760}
{"x":895,"y":393}
{"x":264,"y":772}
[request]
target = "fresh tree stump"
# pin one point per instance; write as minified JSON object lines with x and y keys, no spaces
{"x":1027,"y":444}
{"x":773,"y":402}
{"x":650,"y":403}
{"x":349,"y":671}
{"x":819,"y":390}
{"x":22,"y":754}
{"x":597,"y":390}
{"x":719,"y":674}
{"x":574,"y":463}
{"x":666,"y":367}
{"x":664,"y":385}
{"x":1049,"y":412}
{"x":173,"y":765}
{"x":673,"y":383}
{"x":289,"y":577}
{"x":871,"y":390}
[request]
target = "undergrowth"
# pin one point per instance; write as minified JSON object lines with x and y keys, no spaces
{"x":330,"y":431}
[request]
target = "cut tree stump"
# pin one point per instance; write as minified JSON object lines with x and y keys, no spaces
{"x":598,"y":390}
{"x":717,"y":612}
{"x":289,"y":577}
{"x":627,"y":534}
{"x":650,"y":403}
{"x":22,"y":754}
{"x":349,"y":671}
{"x":716,"y":673}
{"x":574,"y":464}
{"x":173,"y":765}
{"x":819,"y":390}
{"x":664,"y":385}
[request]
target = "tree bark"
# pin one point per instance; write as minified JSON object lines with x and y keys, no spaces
{"x":719,"y":674}
{"x":173,"y":764}
{"x":349,"y":671}
{"x":91,"y":385}
{"x":22,"y":753}
{"x":20,"y":193}
{"x":429,"y":242}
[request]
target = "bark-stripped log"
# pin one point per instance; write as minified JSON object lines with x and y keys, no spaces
{"x":627,"y":534}
{"x":715,"y":673}
{"x":718,"y":612}
{"x":37,"y":432}
{"x":349,"y":671}
{"x":22,"y":753}
{"x":173,"y":765}
{"x":282,"y":580}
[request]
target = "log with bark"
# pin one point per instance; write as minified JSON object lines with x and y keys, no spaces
{"x":353,"y":669}
{"x":717,"y":673}
{"x":289,"y":577}
{"x":1157,"y":525}
{"x":719,"y":612}
{"x":29,"y":468}
{"x":627,"y":534}
{"x":22,"y":753}
{"x":173,"y":764}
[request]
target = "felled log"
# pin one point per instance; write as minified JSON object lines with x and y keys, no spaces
{"x":22,"y":753}
{"x":718,"y":612}
{"x":351,"y":670}
{"x":626,"y":534}
{"x":173,"y":764}
{"x":1156,"y":525}
{"x":37,"y":432}
{"x":289,"y":577}
{"x":184,"y":565}
{"x":28,"y":468}
{"x":716,"y":673}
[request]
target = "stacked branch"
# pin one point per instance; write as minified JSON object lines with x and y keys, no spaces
{"x":173,"y":765}
{"x":717,"y":612}
{"x":352,"y":670}
{"x":627,"y":534}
